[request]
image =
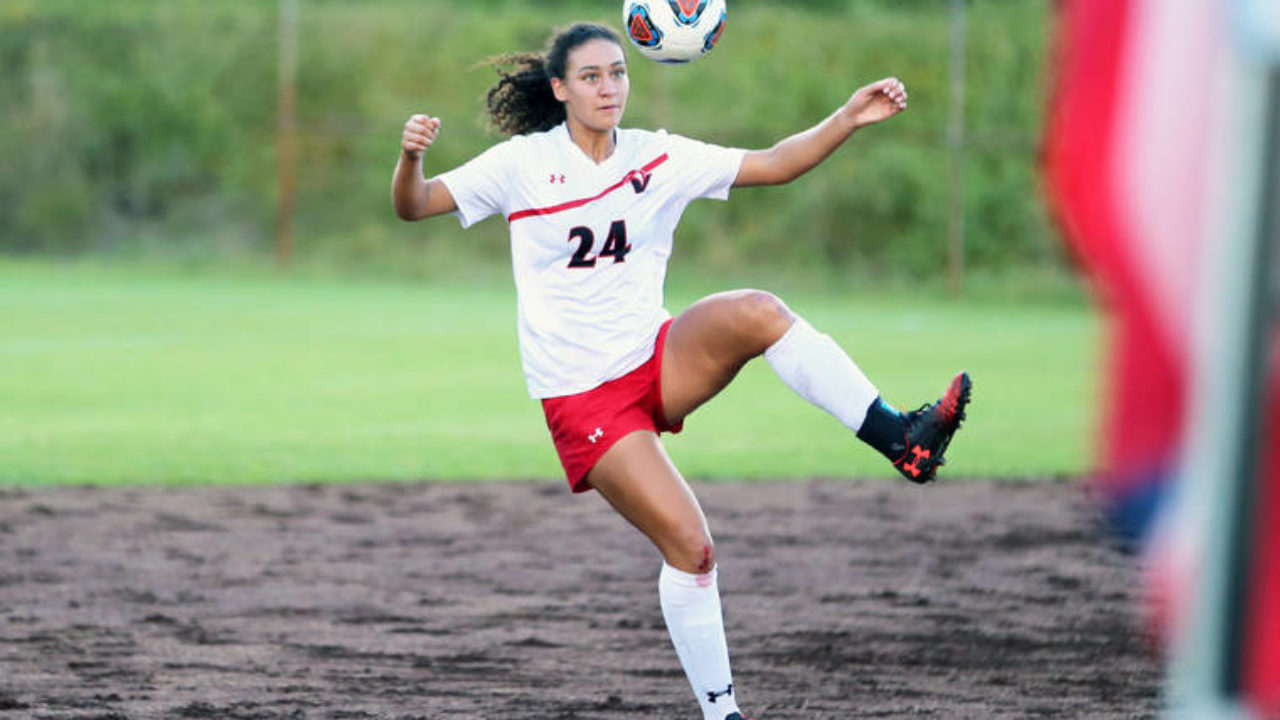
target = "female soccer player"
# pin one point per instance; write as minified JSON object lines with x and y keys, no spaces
{"x":592,"y":208}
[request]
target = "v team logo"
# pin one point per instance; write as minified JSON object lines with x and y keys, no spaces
{"x":639,"y":180}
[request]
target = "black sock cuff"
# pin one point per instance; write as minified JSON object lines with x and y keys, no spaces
{"x":884,"y":430}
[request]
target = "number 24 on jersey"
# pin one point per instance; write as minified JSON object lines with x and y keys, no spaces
{"x":615,"y":245}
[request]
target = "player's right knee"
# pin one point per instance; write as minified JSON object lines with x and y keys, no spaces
{"x":694,"y":554}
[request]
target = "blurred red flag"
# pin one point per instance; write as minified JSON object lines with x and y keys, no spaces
{"x":1125,"y":156}
{"x":1129,"y":145}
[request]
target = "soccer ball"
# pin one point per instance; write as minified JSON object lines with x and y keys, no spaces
{"x":674,"y":31}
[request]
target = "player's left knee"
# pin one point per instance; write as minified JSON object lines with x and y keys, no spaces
{"x":764,"y":313}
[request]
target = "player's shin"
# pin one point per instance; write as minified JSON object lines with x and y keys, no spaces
{"x":818,"y":370}
{"x":691,"y":608}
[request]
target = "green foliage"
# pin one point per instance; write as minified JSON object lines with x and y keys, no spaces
{"x":149,"y":125}
{"x":127,"y":375}
{"x":130,"y":114}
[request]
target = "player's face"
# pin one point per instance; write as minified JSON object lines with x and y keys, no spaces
{"x":594,"y":89}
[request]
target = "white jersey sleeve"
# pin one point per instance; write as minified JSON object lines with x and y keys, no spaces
{"x":481,"y":186}
{"x":705,"y":170}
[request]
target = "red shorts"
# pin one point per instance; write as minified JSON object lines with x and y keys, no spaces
{"x":585,"y":425}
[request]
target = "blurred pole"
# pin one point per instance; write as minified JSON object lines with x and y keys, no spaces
{"x":1258,"y":321}
{"x":1223,"y":461}
{"x":955,"y":144}
{"x":286,"y":131}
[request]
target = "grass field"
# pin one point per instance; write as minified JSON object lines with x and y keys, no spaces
{"x":125,"y":375}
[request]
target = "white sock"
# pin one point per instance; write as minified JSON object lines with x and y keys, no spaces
{"x":815,"y":367}
{"x":691,"y":607}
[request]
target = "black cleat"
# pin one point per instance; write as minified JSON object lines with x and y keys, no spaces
{"x":929,"y":432}
{"x":733,"y":716}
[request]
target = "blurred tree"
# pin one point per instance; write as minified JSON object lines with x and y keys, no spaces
{"x":149,"y":125}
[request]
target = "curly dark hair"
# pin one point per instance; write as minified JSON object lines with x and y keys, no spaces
{"x":522,"y":102}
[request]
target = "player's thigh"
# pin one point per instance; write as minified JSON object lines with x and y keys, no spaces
{"x":710,"y":341}
{"x":637,"y":477}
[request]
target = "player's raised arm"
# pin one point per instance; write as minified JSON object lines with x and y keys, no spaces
{"x":800,"y":153}
{"x":413,"y":196}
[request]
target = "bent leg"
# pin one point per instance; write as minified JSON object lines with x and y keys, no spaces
{"x":710,"y":341}
{"x":637,"y":478}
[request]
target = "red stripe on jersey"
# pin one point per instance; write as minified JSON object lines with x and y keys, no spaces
{"x":583,"y":201}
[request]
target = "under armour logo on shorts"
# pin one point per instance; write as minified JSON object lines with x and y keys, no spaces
{"x":557,"y":178}
{"x":593,"y":437}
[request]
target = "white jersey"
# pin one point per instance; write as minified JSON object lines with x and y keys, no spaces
{"x":589,"y":242}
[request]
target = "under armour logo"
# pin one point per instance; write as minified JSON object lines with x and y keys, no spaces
{"x":712,"y":695}
{"x":595,"y":436}
{"x":557,"y":178}
{"x":913,"y":466}
{"x":639,"y":180}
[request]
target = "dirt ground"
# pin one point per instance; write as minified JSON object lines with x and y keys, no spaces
{"x":968,"y":599}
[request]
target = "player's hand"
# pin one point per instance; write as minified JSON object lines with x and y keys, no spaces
{"x":878,"y":101}
{"x":419,"y":132}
